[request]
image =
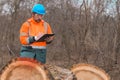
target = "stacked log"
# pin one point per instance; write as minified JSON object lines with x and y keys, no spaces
{"x":24,"y":69}
{"x":89,"y":72}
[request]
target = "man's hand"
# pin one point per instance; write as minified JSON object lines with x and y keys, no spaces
{"x":49,"y":39}
{"x":38,"y":36}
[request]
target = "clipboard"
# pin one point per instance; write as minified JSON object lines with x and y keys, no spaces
{"x":45,"y":36}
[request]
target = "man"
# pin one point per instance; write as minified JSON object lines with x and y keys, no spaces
{"x":30,"y":33}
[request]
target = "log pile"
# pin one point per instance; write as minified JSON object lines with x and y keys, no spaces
{"x":28,"y":69}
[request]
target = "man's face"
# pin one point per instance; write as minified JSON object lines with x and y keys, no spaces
{"x":37,"y":17}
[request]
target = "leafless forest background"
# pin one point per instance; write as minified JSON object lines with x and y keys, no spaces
{"x":86,"y":32}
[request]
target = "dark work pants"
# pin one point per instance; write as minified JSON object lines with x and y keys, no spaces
{"x":37,"y":54}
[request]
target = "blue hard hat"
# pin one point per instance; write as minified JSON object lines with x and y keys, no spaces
{"x":39,"y":9}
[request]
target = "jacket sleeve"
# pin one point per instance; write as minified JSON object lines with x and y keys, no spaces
{"x":25,"y":39}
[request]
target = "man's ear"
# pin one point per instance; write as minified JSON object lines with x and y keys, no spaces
{"x":33,"y":13}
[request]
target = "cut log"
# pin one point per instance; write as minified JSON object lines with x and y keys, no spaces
{"x":89,"y":72}
{"x":24,"y":69}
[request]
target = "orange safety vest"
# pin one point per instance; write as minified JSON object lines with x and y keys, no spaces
{"x":32,"y":28}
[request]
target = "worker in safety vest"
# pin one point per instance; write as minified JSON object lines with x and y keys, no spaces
{"x":30,"y":33}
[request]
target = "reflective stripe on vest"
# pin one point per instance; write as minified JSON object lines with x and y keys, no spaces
{"x":45,"y":27}
{"x":23,"y":34}
{"x":35,"y":47}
